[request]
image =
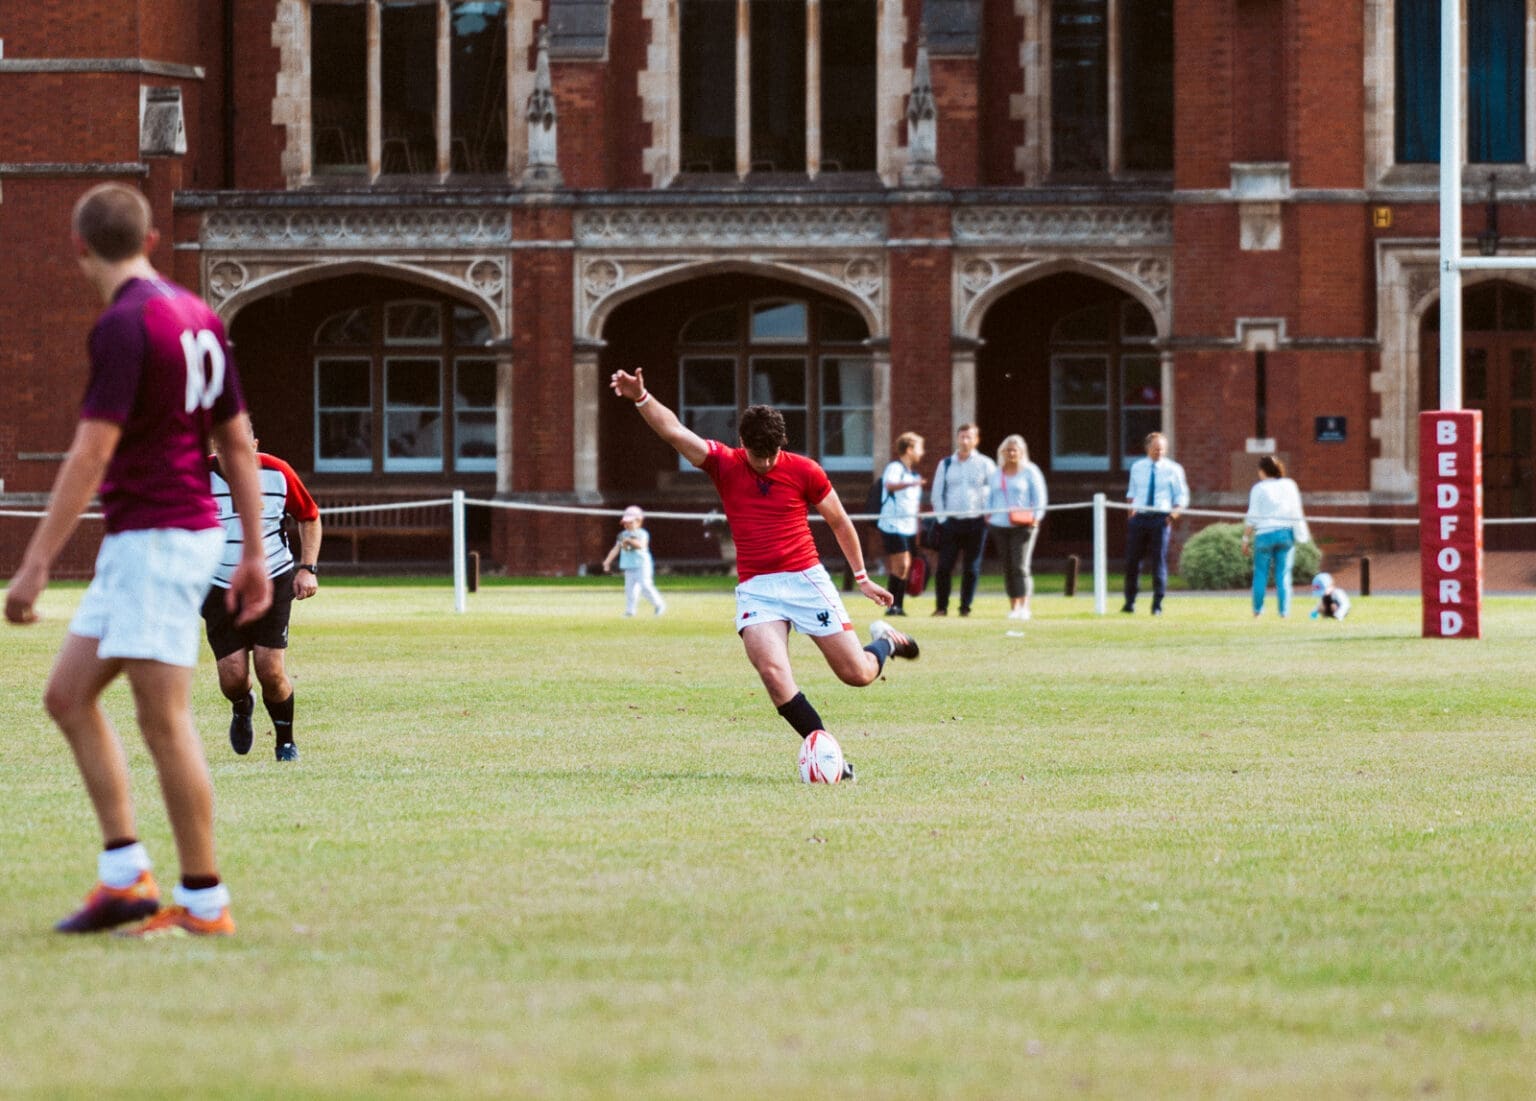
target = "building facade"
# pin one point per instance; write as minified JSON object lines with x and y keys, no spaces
{"x":433,"y":228}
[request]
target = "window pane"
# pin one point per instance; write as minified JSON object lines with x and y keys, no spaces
{"x":338,"y":89}
{"x":1079,"y":380}
{"x":848,"y":86}
{"x":778,"y":85}
{"x":345,"y":436}
{"x":1495,"y":81}
{"x":1146,"y":83}
{"x":1520,"y":374}
{"x":413,"y":434}
{"x":715,"y":327}
{"x":1139,"y":423}
{"x":470,"y":326}
{"x":1142,"y":381}
{"x":1474,"y":374}
{"x":479,"y":80}
{"x":1079,"y":114}
{"x":847,"y":382}
{"x":408,"y":68}
{"x":709,"y":382}
{"x":847,"y":434}
{"x":475,"y":384}
{"x":779,"y":321}
{"x":707,"y":84}
{"x":1418,"y":81}
{"x":779,"y":382}
{"x":1094,"y":325}
{"x":712,"y":424}
{"x":840,"y":325}
{"x":413,"y":323}
{"x":475,"y":441}
{"x":412,"y":382}
{"x":350,"y":328}
{"x":1080,"y":434}
{"x":344,"y":382}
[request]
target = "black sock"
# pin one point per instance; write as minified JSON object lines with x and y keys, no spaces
{"x":898,"y":587}
{"x":881,"y":648}
{"x":799,"y":714}
{"x":120,"y":843}
{"x":282,"y":719}
{"x":245,"y":704}
{"x":199,"y":882}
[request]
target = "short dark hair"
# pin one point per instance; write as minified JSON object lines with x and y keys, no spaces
{"x":762,"y":430}
{"x":1272,"y":467}
{"x":113,"y":221}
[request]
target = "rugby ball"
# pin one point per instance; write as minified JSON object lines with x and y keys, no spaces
{"x":821,"y":758}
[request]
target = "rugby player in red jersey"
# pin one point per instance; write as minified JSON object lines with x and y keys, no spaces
{"x":766,"y":492}
{"x":161,"y":385}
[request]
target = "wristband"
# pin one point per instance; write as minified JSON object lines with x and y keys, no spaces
{"x":860,"y":576}
{"x":645,"y":396}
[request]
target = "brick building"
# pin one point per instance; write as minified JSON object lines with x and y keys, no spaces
{"x":434,"y":227}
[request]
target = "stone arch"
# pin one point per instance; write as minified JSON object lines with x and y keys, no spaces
{"x":605,"y":286}
{"x":241,"y":290}
{"x":1144,"y":279}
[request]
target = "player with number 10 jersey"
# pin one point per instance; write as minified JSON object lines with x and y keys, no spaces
{"x":161,"y":369}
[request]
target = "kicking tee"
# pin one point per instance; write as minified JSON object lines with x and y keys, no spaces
{"x":161,"y":370}
{"x":768,"y":513}
{"x":282,"y":494}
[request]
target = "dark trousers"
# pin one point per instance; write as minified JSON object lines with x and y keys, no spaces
{"x":965,"y":541}
{"x":1146,"y":535}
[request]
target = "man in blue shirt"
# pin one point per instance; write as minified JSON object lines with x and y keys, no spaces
{"x":1157,"y":494}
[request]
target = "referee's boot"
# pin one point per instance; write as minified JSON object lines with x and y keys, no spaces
{"x":240,"y":733}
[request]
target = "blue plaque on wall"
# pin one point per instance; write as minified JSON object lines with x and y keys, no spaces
{"x":1329,"y":429}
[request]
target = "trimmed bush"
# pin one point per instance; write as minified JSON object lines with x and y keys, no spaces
{"x":1214,"y":559}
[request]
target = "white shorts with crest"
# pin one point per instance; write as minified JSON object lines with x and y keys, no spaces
{"x":147,"y":596}
{"x":806,"y":599}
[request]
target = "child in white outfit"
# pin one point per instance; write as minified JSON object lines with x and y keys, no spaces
{"x":1332,"y":601}
{"x":633,"y":550}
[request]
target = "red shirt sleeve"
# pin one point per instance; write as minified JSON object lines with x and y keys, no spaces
{"x":299,"y":504}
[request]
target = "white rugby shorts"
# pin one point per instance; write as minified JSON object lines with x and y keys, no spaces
{"x":806,"y":599}
{"x":147,"y":596}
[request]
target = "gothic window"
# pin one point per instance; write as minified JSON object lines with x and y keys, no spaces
{"x":1495,"y":92}
{"x":393,"y":103}
{"x":777,"y":86}
{"x":1106,"y":387}
{"x":1111,"y":86}
{"x":402,"y":387}
{"x":808,"y":362}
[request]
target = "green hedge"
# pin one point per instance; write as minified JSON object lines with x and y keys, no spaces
{"x":1214,"y":559}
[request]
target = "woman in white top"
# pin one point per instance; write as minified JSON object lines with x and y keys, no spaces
{"x":1275,"y":525}
{"x":899,"y":505}
{"x":1018,"y":501}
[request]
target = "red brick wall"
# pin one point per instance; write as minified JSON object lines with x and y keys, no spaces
{"x":1000,"y":78}
{"x":921,"y":398}
{"x":581,"y":95}
{"x":955,"y":93}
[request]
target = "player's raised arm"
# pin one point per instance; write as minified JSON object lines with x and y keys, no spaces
{"x":836,"y":516}
{"x":687,"y":443}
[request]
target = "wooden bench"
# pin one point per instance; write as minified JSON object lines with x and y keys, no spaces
{"x":382,"y":520}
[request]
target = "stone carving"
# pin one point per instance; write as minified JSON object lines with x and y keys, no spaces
{"x":487,"y":277}
{"x":976,"y":275}
{"x":1117,"y":226}
{"x":979,"y":278}
{"x":864,"y":276}
{"x":715,"y":227}
{"x":601,"y":277}
{"x":225,"y":278}
{"x":392,"y":229}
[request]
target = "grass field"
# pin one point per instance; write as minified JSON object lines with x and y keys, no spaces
{"x":542,"y":851}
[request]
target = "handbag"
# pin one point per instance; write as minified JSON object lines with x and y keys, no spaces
{"x":1018,"y":517}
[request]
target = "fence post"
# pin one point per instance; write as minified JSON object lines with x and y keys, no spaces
{"x":474,"y":571}
{"x":458,"y":551}
{"x":1365,"y":575}
{"x":1072,"y":564}
{"x":1100,"y":558}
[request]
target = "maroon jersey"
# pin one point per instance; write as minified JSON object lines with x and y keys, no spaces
{"x":768,"y":513}
{"x":160,"y":369}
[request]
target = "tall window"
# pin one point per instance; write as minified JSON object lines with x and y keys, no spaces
{"x":805,"y":360}
{"x":400,"y":110}
{"x":1495,"y":92}
{"x":1106,"y":387}
{"x":402,"y":387}
{"x":794,"y":94}
{"x":1111,"y":86}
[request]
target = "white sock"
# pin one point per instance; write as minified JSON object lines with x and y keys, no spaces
{"x":120,"y":867}
{"x":206,"y":903}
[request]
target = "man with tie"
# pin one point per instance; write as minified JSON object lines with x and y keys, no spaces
{"x":1157,"y":494}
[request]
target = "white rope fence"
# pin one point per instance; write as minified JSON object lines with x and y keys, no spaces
{"x":1100,"y":504}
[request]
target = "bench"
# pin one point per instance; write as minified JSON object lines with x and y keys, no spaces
{"x":382,"y":519}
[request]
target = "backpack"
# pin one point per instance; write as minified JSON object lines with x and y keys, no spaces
{"x":874,"y":497}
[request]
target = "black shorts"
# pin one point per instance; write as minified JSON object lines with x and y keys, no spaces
{"x":897,"y":544}
{"x":269,"y":632}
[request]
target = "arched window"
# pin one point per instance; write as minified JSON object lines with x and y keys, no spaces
{"x":1495,"y":92}
{"x":807,"y":360}
{"x":1106,"y":386}
{"x":405,"y":387}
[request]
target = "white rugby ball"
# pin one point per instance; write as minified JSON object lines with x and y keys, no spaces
{"x":821,"y":758}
